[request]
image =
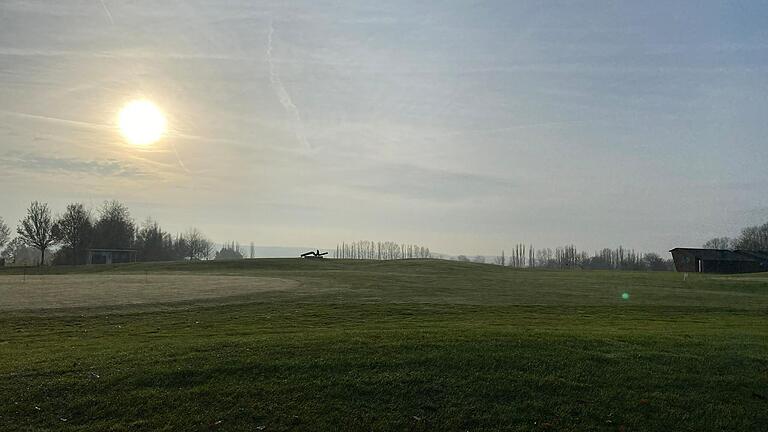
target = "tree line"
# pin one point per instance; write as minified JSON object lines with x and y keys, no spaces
{"x":111,"y":226}
{"x":754,"y":238}
{"x":232,"y":251}
{"x":366,"y":249}
{"x":570,"y":257}
{"x":79,"y":229}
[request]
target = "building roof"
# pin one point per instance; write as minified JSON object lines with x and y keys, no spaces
{"x":718,"y":254}
{"x":761,"y":255}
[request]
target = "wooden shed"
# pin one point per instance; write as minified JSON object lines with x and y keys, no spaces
{"x":111,"y":256}
{"x":692,"y":260}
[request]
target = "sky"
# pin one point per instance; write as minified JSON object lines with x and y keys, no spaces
{"x":465,"y":126}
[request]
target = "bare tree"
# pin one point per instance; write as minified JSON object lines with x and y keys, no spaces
{"x":17,"y":252}
{"x":366,"y":249}
{"x":531,"y":257}
{"x":208,"y":249}
{"x":753,"y":238}
{"x":720,"y":243}
{"x":500,"y":260}
{"x":37,"y":228}
{"x":198,"y":246}
{"x":654,"y":262}
{"x":10,"y":251}
{"x":74,"y":229}
{"x":5,"y":233}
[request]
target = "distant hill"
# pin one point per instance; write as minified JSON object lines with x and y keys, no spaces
{"x":277,"y":251}
{"x":293,"y":252}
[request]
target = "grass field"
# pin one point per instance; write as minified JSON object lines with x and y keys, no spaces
{"x":407,"y":345}
{"x":68,"y":291}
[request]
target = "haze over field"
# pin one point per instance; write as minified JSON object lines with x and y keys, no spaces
{"x":466,"y":128}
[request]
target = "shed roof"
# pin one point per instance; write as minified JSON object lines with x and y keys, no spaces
{"x":762,"y":255}
{"x":718,"y":254}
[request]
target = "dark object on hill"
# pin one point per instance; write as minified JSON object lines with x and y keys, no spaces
{"x":719,"y":260}
{"x":111,"y":256}
{"x":314,"y":254}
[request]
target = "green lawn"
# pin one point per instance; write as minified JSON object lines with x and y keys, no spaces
{"x":408,"y":345}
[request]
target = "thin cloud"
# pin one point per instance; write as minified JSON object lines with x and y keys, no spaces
{"x":424,"y":184}
{"x":66,"y":165}
{"x":58,"y":120}
{"x":513,"y":127}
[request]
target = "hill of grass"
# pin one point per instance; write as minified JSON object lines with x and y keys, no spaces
{"x":406,"y":345}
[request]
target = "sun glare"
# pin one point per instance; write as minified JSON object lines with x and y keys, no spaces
{"x":141,"y":122}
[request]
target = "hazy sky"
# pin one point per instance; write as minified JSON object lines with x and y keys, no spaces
{"x":465,"y":126}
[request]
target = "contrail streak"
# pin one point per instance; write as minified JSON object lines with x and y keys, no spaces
{"x":106,"y":11}
{"x":282,"y":93}
{"x":178,"y":158}
{"x":87,"y":125}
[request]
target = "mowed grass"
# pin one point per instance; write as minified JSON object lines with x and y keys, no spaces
{"x":409,"y":345}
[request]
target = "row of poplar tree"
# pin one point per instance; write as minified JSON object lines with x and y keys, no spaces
{"x":569,"y":256}
{"x":366,"y":249}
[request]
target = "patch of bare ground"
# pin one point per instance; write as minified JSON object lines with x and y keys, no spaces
{"x":68,"y":291}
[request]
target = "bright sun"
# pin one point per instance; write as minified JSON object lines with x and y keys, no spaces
{"x":141,"y":122}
